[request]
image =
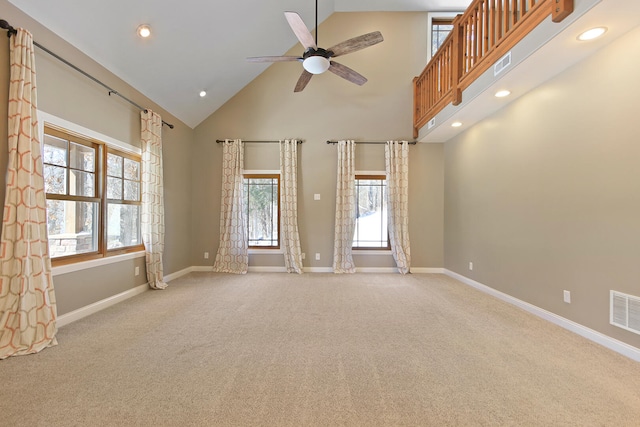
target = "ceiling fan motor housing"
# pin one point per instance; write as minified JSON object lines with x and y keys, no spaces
{"x":317,"y":52}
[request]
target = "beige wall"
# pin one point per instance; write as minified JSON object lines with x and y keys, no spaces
{"x":329,"y":108}
{"x":544,"y":196}
{"x":67,"y":94}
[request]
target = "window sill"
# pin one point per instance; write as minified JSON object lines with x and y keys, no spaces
{"x":266,"y":251}
{"x":371,"y":252}
{"x":83,"y":265}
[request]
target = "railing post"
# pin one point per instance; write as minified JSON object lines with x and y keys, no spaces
{"x":415,"y":107}
{"x":560,"y":9}
{"x":457,"y":57}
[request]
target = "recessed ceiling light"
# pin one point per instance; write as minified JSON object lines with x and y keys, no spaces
{"x":593,"y":33}
{"x":502,"y":93}
{"x":456,"y":124}
{"x":144,"y":31}
{"x":203,"y":93}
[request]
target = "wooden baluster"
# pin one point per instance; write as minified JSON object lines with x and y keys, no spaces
{"x":485,"y":27}
{"x":449,"y":67}
{"x":468,"y":39}
{"x":500,"y":21}
{"x":513,"y":18}
{"x":492,"y":24}
{"x":433,"y":85}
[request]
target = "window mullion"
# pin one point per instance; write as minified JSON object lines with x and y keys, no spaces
{"x":103,"y":201}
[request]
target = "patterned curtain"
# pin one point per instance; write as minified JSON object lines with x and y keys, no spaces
{"x":289,"y":206}
{"x":397,"y":165}
{"x":152,"y":222}
{"x":345,"y":209}
{"x":27,"y":300}
{"x":233,"y":252}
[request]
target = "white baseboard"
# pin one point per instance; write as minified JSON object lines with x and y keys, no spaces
{"x":595,"y":336}
{"x":90,"y":309}
{"x":178,"y":274}
{"x":379,"y":270}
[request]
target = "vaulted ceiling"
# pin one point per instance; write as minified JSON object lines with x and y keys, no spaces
{"x":195,"y":45}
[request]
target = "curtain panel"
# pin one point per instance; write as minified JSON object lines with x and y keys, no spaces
{"x":397,"y":170}
{"x":152,"y":222}
{"x":233,"y":251}
{"x":289,"y":206}
{"x":345,"y":221}
{"x":27,"y":299}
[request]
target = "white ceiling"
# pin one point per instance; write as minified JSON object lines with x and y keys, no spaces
{"x":195,"y":44}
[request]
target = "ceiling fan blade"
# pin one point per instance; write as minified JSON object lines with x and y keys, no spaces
{"x":347,"y":73}
{"x":300,"y":30}
{"x":303,"y":80}
{"x":356,"y":43}
{"x":273,"y":58}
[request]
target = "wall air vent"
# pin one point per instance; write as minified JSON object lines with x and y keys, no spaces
{"x":625,"y":311}
{"x":501,"y":64}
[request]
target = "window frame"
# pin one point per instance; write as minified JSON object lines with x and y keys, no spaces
{"x":434,"y":17}
{"x":381,"y":176}
{"x":102,"y":148}
{"x":264,"y":175}
{"x":123,"y":201}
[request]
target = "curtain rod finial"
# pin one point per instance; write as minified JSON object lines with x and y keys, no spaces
{"x":5,"y":25}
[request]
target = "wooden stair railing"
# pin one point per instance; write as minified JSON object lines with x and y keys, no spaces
{"x":486,"y":31}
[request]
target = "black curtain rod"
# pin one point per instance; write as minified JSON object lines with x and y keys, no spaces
{"x":219,"y":141}
{"x":371,"y":142}
{"x":12,"y":31}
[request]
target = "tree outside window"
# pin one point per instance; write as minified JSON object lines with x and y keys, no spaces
{"x":262,"y":204}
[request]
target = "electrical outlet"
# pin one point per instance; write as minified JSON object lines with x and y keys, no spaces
{"x":303,"y":255}
{"x":206,"y":255}
{"x":136,"y":271}
{"x":470,"y":265}
{"x":567,"y":297}
{"x":317,"y":256}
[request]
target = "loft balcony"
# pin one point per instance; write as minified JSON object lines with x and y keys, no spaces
{"x":507,"y":44}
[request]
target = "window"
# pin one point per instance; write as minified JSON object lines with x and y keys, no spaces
{"x":439,"y":26}
{"x":440,"y":29}
{"x":123,"y":201}
{"x":371,"y":213}
{"x":74,"y":174}
{"x":262,"y":201}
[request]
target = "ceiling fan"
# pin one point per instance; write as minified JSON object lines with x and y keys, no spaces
{"x":316,"y":60}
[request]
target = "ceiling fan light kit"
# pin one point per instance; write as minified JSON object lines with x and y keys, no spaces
{"x":316,"y":60}
{"x":316,"y":64}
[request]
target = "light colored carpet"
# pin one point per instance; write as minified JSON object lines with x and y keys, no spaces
{"x":318,"y":349}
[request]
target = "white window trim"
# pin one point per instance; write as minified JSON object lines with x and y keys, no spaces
{"x":261,"y":172}
{"x":84,"y":265}
{"x":437,"y":15}
{"x":371,"y":252}
{"x":46,"y":118}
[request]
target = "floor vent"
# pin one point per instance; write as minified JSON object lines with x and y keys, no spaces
{"x":501,"y":64}
{"x":625,"y":311}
